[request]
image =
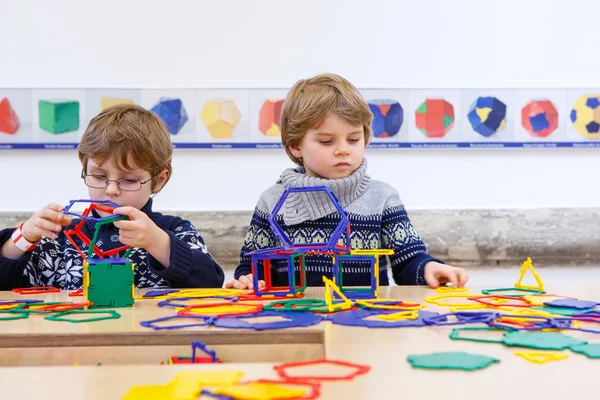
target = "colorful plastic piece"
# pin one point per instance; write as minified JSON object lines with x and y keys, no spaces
{"x":198,"y":345}
{"x":330,"y":285}
{"x":501,"y":301}
{"x":9,"y":121}
{"x":196,"y":293}
{"x":358,"y":318}
{"x":36,"y":290}
{"x":559,"y":310}
{"x":461,"y":318}
{"x":11,"y":315}
{"x":399,"y":316}
{"x":293,"y":319}
{"x":456,"y":334}
{"x":572,"y":303}
{"x":388,"y":117}
{"x":172,"y":112}
{"x":183,"y":302}
{"x":58,"y":116}
{"x":540,"y":340}
{"x":590,"y":350}
{"x":389,"y":304}
{"x":283,"y":370}
{"x":292,"y":290}
{"x":221,"y":309}
{"x":450,"y":289}
{"x":451,"y":360}
{"x":436,"y":300}
{"x":209,"y":378}
{"x":109,"y":314}
{"x":153,"y":323}
{"x":539,"y":300}
{"x":261,"y":390}
{"x":108,"y":283}
{"x":188,"y":360}
{"x":103,"y":205}
{"x":541,"y":357}
{"x":528,"y":266}
{"x":290,"y":251}
{"x":513,"y":289}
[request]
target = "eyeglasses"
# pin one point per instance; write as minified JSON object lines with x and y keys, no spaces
{"x":101,"y":181}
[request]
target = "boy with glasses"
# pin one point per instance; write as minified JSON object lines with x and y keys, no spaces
{"x":126,"y":156}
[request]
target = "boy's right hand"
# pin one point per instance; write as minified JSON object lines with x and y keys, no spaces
{"x":245,"y":282}
{"x":45,"y":222}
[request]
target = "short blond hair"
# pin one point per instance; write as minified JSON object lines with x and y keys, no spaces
{"x":133,"y":136}
{"x":310,"y":101}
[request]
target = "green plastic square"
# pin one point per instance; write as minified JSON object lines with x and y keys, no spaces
{"x":59,"y":116}
{"x":111,"y":284}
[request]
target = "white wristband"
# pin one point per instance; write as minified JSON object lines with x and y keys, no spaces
{"x":22,"y":243}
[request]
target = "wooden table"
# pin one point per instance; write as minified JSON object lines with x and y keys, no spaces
{"x":384,"y":349}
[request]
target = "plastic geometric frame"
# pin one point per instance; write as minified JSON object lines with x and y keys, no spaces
{"x":279,"y":291}
{"x":358,"y":370}
{"x":293,"y":319}
{"x":93,"y":206}
{"x":112,"y":314}
{"x":332,"y":244}
{"x":93,"y":249}
{"x":528,"y":265}
{"x":152,"y":323}
{"x":371,"y":255}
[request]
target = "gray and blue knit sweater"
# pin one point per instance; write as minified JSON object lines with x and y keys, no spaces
{"x":377,"y":220}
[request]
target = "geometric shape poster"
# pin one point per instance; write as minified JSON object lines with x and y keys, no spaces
{"x":250,"y":118}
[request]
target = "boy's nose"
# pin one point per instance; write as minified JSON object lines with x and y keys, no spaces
{"x":344,"y":150}
{"x":112,"y":188}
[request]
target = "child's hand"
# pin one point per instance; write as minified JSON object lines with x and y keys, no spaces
{"x":245,"y":282}
{"x":45,"y":222}
{"x":437,"y":274}
{"x":139,"y":230}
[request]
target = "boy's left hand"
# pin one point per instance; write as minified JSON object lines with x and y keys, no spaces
{"x":139,"y":230}
{"x":437,"y":274}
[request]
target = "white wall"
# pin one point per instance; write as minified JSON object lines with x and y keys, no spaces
{"x":246,"y":44}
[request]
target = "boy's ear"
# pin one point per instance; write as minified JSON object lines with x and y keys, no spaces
{"x":295,"y":150}
{"x":161,"y":179}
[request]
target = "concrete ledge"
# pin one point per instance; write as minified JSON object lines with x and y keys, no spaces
{"x":556,"y":237}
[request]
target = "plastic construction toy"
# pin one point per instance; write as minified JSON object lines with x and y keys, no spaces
{"x":36,"y":290}
{"x":541,"y":357}
{"x":528,"y":266}
{"x":292,"y":319}
{"x":451,"y":360}
{"x":354,"y":370}
{"x":193,"y":322}
{"x":294,"y":254}
{"x":107,"y":282}
{"x":198,"y":345}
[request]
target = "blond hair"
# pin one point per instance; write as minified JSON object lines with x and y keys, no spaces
{"x":310,"y":101}
{"x":133,"y":136}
